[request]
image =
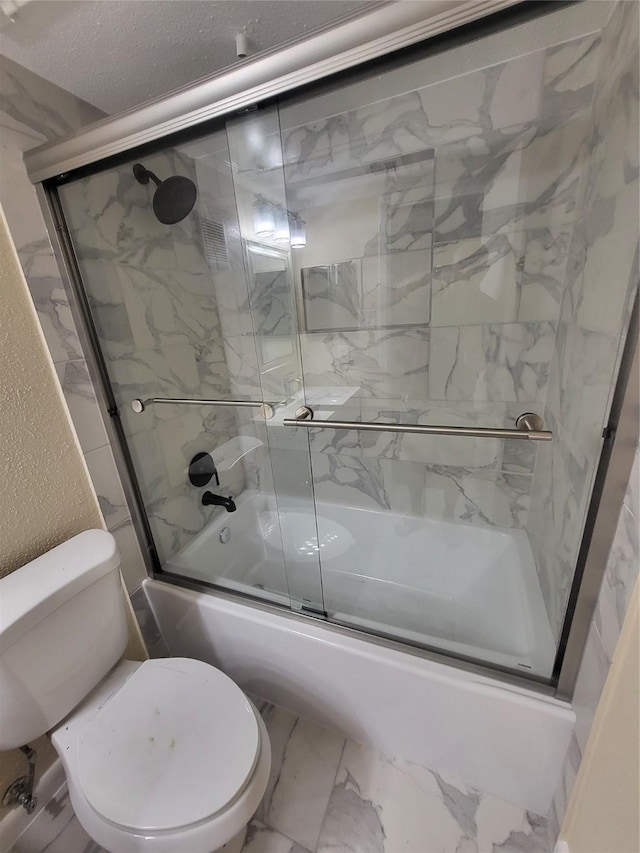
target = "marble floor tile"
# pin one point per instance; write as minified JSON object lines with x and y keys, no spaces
{"x":304,"y":783}
{"x":328,"y":795}
{"x":380,"y":805}
{"x":56,"y":830}
{"x":263,"y":839}
{"x":280,"y":724}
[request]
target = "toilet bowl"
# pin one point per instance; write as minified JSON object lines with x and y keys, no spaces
{"x":164,"y":756}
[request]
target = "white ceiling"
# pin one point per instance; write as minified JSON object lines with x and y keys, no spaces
{"x":118,"y":53}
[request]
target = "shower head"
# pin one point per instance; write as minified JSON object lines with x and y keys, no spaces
{"x":174,"y":197}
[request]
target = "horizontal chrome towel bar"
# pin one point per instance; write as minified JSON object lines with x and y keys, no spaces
{"x":528,"y":426}
{"x":140,"y":405}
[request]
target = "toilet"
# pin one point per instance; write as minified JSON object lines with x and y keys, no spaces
{"x":165,"y":756}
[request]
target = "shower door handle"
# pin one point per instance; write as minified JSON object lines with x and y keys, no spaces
{"x":528,"y":427}
{"x":139,"y":405}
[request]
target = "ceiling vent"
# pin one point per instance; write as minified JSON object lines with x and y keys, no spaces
{"x":215,"y":244}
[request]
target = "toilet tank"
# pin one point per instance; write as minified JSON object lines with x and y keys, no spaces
{"x":63,"y":626}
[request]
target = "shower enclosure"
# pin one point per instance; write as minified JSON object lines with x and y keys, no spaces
{"x":388,"y":328}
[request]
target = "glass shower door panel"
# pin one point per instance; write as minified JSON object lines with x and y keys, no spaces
{"x":175,"y":310}
{"x":266,"y":229}
{"x":438,"y":213}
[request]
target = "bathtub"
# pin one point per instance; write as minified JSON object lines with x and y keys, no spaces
{"x":461,"y":588}
{"x":501,"y":739}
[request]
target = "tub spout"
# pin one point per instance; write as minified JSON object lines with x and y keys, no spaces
{"x":209,"y":499}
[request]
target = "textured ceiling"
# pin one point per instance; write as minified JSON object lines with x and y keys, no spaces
{"x":118,"y":53}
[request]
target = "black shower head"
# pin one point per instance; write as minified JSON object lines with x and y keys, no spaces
{"x":173,"y":199}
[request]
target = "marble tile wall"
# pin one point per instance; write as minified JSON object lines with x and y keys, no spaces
{"x":160,"y":298}
{"x":601,"y":279}
{"x":439,"y":224}
{"x":33,"y":111}
{"x":620,"y":577}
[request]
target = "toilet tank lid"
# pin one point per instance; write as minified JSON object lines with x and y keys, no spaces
{"x":35,"y":590}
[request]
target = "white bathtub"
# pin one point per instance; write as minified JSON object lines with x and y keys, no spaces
{"x":462,"y":588}
{"x":503,"y":740}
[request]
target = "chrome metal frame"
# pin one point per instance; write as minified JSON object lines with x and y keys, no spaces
{"x":385,"y":29}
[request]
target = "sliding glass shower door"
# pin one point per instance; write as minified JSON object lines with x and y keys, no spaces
{"x":437,"y":287}
{"x":194,"y":313}
{"x":363,"y":370}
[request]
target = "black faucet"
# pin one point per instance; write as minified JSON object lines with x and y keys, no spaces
{"x":209,"y":499}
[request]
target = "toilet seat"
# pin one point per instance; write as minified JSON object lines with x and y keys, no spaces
{"x":173,"y":719}
{"x":80,"y":732}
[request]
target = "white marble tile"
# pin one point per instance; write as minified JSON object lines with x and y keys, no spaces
{"x":580,"y":382}
{"x":110,"y":216}
{"x":51,"y":301}
{"x":380,"y":805}
{"x":545,"y":263}
{"x":106,"y":482}
{"x":569,"y":773}
{"x":83,"y":406}
{"x":19,"y":199}
{"x":271,"y":303}
{"x":147,"y":623}
{"x":32,"y":104}
{"x":478,"y":184}
{"x":304,"y":785}
{"x":632,"y":495}
{"x":280,"y":724}
{"x":553,"y":166}
{"x":176,"y":520}
{"x":589,"y":685}
{"x":498,"y":362}
{"x":519,"y":457}
{"x":148,"y":459}
{"x":477,"y":280}
{"x":165,"y":308}
{"x":561,"y":483}
{"x":56,"y":829}
{"x":177,"y":441}
{"x":168,"y":372}
{"x":441,"y":450}
{"x":396,"y":289}
{"x":495,"y":97}
{"x":132,"y":564}
{"x":368,"y":483}
{"x":332,"y":296}
{"x":457,"y":108}
{"x":387,"y":363}
{"x":612,"y":239}
{"x":474,"y":496}
{"x":616,"y":150}
{"x":619,"y":581}
{"x":568,"y":76}
{"x":262,"y":839}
